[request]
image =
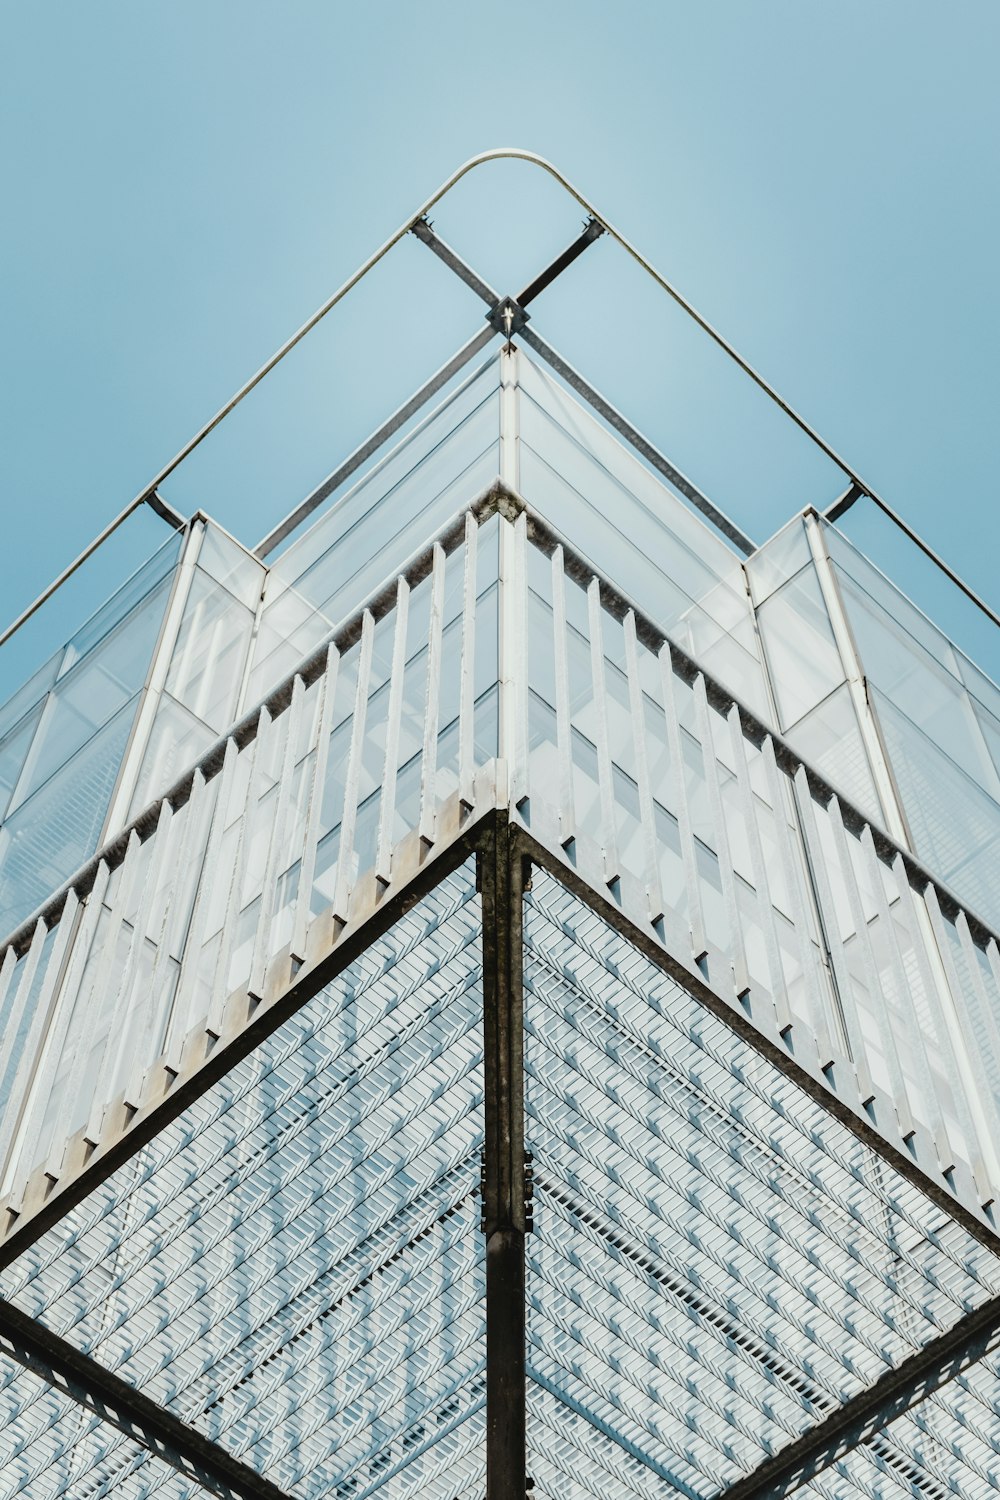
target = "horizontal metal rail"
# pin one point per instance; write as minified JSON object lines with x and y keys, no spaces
{"x":148,"y":495}
{"x":155,"y":503}
{"x":371,"y":444}
{"x":166,"y":1436}
{"x":246,"y":981}
{"x":840,"y":508}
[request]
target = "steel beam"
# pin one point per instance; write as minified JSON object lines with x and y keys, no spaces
{"x":372,"y":444}
{"x":87,"y":1382}
{"x":423,"y":231}
{"x":592,"y":231}
{"x":641,"y":444}
{"x":504,"y":1221}
{"x":572,"y":377}
{"x":866,"y":1415}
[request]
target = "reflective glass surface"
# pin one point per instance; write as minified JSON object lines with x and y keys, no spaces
{"x":940,"y":720}
{"x":63,"y":735}
{"x":630,"y":524}
{"x":368,"y":533}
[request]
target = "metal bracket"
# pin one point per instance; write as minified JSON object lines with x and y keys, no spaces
{"x":508,"y":317}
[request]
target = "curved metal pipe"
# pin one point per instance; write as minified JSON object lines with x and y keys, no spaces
{"x":500,"y":153}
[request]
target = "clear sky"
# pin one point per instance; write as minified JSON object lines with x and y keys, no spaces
{"x":183,"y":183}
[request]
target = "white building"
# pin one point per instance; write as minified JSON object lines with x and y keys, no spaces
{"x":501,"y":991}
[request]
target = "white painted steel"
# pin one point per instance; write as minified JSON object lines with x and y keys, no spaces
{"x":352,"y":782}
{"x":387,"y":809}
{"x":143,"y":1047}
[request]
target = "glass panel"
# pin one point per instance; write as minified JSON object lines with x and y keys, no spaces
{"x":801,"y":651}
{"x":778,"y":560}
{"x":206,"y":668}
{"x":177,"y":741}
{"x":13,"y":749}
{"x":374,"y":529}
{"x":53,"y":833}
{"x":829,"y":740}
{"x":88,"y":697}
{"x":637,"y":531}
{"x":231,"y":565}
{"x":954,"y":822}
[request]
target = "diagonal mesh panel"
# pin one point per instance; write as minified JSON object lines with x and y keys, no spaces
{"x":293,"y":1265}
{"x":717,"y":1263}
{"x":51,"y":1447}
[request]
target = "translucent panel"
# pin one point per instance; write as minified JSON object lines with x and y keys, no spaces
{"x":206,"y":667}
{"x":786,"y":554}
{"x":141,"y":551}
{"x":954,"y":822}
{"x":123,"y":601}
{"x":940,"y":719}
{"x":801,"y":651}
{"x":177,"y":741}
{"x":13,"y":749}
{"x":60,"y":762}
{"x":716,"y":1263}
{"x":372,"y":530}
{"x":925,"y":690}
{"x":84,"y":699}
{"x":30,"y":694}
{"x":293,"y":1265}
{"x":51,"y":835}
{"x":231,"y":565}
{"x":829,"y":739}
{"x":631,"y":525}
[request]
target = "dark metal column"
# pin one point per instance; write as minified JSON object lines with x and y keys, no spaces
{"x":501,"y":883}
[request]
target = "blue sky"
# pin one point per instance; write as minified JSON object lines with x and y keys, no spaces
{"x":184,"y":183}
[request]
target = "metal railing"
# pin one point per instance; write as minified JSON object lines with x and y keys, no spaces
{"x":626,"y":761}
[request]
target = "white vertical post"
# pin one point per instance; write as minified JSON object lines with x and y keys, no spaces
{"x":605,"y":774}
{"x":762,"y":884}
{"x":801,"y":908}
{"x":467,"y":687}
{"x":245,"y":828}
{"x":981,"y":1096}
{"x":933,"y":1117}
{"x":37,"y":1049}
{"x":564,"y":723}
{"x":310,"y":837}
{"x":682,"y":807}
{"x":871,"y":973}
{"x":816,"y":856}
{"x":274,"y":863}
{"x":352,"y":781}
{"x":387,"y":809}
{"x":197,"y":929}
{"x":727,"y":874}
{"x":432,"y":701}
{"x":647,"y":814}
